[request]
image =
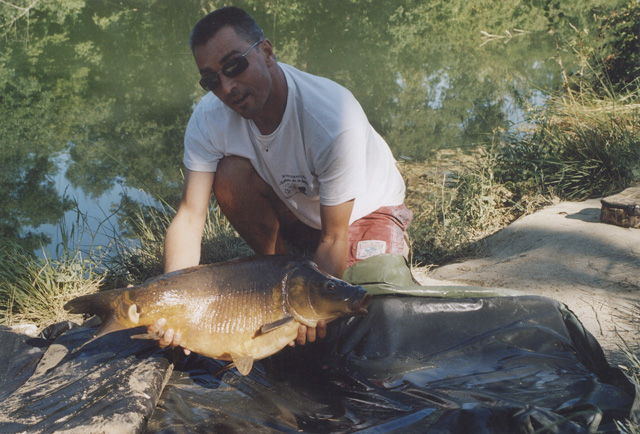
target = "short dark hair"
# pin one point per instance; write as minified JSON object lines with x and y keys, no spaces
{"x":244,"y":25}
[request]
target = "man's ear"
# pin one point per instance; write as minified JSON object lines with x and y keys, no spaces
{"x":267,"y":49}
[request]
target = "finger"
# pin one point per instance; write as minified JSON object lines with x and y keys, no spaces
{"x":166,"y":339}
{"x":177,"y":338}
{"x":156,"y":326}
{"x":186,"y":352}
{"x":321,"y":331}
{"x":302,"y":335}
{"x":311,"y":334}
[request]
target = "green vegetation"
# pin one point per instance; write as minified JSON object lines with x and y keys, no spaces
{"x":577,"y":150}
{"x":583,"y":143}
{"x":96,"y":88}
{"x":133,"y":263}
{"x":34,"y":291}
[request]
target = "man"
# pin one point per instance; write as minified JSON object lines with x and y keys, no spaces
{"x":289,"y":156}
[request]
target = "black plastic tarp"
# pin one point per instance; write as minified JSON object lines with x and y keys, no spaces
{"x":494,"y":365}
{"x":111,"y":385}
{"x":412,"y":365}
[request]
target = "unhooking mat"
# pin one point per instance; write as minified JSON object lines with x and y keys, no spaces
{"x":476,"y":364}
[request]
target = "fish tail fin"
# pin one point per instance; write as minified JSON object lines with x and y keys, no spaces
{"x":98,"y":303}
{"x":101,"y":305}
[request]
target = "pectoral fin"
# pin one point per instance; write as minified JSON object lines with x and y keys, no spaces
{"x":243,"y":363}
{"x":276,"y":324}
{"x":155,"y":336}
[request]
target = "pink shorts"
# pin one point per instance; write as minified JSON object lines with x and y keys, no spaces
{"x":382,"y":231}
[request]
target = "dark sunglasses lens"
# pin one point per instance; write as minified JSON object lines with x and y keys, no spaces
{"x":235,"y":67}
{"x":210,"y":82}
{"x":232,"y":69}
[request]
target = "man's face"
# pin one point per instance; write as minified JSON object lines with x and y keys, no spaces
{"x":246,"y":93}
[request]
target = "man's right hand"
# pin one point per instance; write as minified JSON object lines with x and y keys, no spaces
{"x":169,"y":337}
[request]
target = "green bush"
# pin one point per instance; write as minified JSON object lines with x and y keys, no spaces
{"x":618,"y":45}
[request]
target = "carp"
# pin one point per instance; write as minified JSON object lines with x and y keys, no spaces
{"x":238,"y":311}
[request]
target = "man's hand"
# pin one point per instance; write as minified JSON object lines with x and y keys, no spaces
{"x":172,"y":339}
{"x":169,"y":338}
{"x":309,"y":334}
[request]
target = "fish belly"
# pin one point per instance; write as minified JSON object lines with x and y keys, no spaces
{"x":246,"y":343}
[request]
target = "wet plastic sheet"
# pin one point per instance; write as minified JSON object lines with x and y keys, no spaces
{"x":110,"y":385}
{"x":413,"y":365}
{"x":454,"y":360}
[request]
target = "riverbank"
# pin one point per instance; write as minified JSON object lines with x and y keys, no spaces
{"x":563,"y":252}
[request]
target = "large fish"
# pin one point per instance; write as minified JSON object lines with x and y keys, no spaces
{"x":239,"y":311}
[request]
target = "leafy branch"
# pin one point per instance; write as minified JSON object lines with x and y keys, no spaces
{"x":23,"y":11}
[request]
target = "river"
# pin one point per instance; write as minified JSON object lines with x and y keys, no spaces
{"x":96,"y":95}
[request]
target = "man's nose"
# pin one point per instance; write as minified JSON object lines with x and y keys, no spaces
{"x":227,"y":84}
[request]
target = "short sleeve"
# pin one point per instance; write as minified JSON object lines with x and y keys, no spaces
{"x":199,"y":151}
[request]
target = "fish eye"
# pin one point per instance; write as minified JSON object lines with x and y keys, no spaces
{"x":330,"y":285}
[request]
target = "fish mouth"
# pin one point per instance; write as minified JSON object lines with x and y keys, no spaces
{"x":359,"y":305}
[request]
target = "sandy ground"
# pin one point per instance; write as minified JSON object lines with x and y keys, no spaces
{"x":566,"y":253}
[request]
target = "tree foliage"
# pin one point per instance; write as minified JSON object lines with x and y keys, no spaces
{"x":109,"y":86}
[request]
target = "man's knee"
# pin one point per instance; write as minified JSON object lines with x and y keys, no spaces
{"x":230,"y":171}
{"x":235,"y":179}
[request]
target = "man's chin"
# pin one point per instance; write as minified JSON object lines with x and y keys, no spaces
{"x":245,"y":111}
{"x":247,"y":116}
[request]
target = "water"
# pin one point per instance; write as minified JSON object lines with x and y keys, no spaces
{"x":96,"y":95}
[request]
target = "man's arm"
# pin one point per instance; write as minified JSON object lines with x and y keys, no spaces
{"x":331,"y":254}
{"x":184,"y":236}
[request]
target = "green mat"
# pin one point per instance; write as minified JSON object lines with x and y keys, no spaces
{"x":390,"y":274}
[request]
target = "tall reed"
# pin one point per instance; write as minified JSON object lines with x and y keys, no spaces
{"x":141,"y":257}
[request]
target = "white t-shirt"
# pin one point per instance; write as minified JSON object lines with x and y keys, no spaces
{"x":323,"y":152}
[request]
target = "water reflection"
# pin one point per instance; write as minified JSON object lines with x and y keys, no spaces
{"x":109,"y":86}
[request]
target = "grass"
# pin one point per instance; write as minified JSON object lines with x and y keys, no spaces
{"x":34,"y":290}
{"x":135,"y":262}
{"x":578,"y":148}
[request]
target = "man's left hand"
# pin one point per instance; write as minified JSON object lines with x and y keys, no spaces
{"x":309,"y":334}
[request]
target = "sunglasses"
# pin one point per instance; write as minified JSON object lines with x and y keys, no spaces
{"x":231,"y":69}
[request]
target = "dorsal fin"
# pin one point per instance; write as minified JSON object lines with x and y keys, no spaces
{"x":109,"y":325}
{"x":100,"y":304}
